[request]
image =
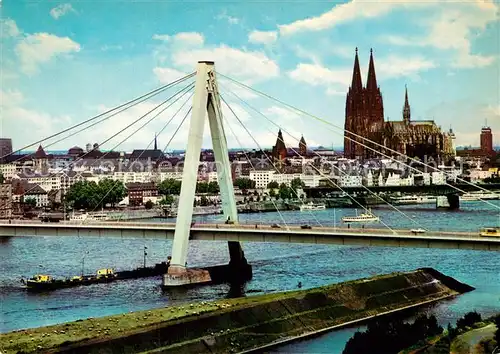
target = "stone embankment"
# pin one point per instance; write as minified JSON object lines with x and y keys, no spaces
{"x":240,"y":324}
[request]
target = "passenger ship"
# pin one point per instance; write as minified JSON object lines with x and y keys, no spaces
{"x":89,"y":217}
{"x":312,"y":206}
{"x":414,"y":199}
{"x":365,"y":217}
{"x":467,"y":197}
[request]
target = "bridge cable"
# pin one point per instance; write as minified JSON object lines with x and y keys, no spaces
{"x":352,"y":198}
{"x":273,"y":164}
{"x":145,"y":96}
{"x":189,"y":86}
{"x":251,"y":164}
{"x":295,"y":138}
{"x":301,"y":112}
{"x":298,"y":110}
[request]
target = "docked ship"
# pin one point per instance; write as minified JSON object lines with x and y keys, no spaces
{"x":365,"y":217}
{"x":89,"y":217}
{"x":413,"y":199}
{"x":42,"y":282}
{"x":312,"y":206}
{"x":468,"y":197}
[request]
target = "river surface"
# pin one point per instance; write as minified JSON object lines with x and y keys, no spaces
{"x":276,"y":266}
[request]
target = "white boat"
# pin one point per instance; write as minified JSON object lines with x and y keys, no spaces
{"x":414,"y":199}
{"x":467,"y":197}
{"x":89,"y":217}
{"x":490,"y":232}
{"x":365,"y":217}
{"x":312,"y":206}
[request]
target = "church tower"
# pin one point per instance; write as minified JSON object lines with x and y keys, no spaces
{"x":279,"y":149}
{"x":406,"y":109}
{"x":302,"y":147}
{"x":364,"y":112}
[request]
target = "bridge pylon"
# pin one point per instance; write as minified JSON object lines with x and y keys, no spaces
{"x":206,"y":102}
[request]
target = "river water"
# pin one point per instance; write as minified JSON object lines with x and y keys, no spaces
{"x":277,"y":267}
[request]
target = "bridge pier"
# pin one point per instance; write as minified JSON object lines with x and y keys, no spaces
{"x":449,"y":201}
{"x":206,"y":101}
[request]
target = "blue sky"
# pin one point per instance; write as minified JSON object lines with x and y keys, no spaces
{"x":65,"y":62}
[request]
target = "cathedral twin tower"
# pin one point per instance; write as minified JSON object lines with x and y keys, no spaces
{"x":365,"y":126}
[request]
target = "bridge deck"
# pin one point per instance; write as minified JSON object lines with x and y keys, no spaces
{"x":263,"y":233}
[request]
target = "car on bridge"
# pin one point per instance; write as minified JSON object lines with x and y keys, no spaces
{"x":417,"y":231}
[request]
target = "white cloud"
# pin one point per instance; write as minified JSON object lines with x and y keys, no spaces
{"x":317,"y":75}
{"x":168,"y":75}
{"x":61,"y":10}
{"x":18,"y":117}
{"x":395,"y":66}
{"x":8,"y":28}
{"x":182,"y":38}
{"x":239,"y":64}
{"x":263,"y":37}
{"x":107,"y":47}
{"x":453,"y":29}
{"x":39,"y":48}
{"x":230,"y":19}
{"x":281,"y":114}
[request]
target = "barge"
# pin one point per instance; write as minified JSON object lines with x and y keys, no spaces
{"x":41,"y":282}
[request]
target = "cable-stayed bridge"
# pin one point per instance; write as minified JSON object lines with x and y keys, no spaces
{"x":207,"y":100}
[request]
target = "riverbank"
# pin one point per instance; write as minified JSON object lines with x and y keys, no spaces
{"x":241,"y":324}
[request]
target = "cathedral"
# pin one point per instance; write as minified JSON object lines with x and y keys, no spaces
{"x":364,"y":118}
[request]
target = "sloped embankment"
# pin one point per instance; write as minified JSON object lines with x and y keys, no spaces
{"x":240,"y":324}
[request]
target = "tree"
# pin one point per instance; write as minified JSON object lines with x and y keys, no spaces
{"x":201,"y":187}
{"x":213,"y":187}
{"x":244,"y":183}
{"x":149,"y":204}
{"x":296,"y":184}
{"x":284,"y":192}
{"x":31,"y":202}
{"x":167,"y":200}
{"x":2,"y":178}
{"x":273,"y":185}
{"x":497,"y":332}
{"x":111,"y":192}
{"x":272,"y":193}
{"x":170,"y":186}
{"x":83,"y":195}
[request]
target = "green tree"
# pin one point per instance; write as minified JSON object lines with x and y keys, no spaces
{"x":272,"y":193}
{"x":149,"y":204}
{"x":284,"y":192}
{"x":170,"y":186}
{"x":273,"y":185}
{"x":30,"y":201}
{"x":201,"y":187}
{"x":297,"y":184}
{"x":83,"y":195}
{"x":213,"y":188}
{"x":2,"y":178}
{"x":167,"y":200}
{"x":110,"y":192}
{"x":244,"y":183}
{"x":497,"y":332}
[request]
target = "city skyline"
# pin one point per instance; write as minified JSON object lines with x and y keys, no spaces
{"x":71,"y":61}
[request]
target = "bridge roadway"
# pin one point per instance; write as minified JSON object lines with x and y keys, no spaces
{"x":260,"y":233}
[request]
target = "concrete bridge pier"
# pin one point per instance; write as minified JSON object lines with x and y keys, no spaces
{"x":449,"y":201}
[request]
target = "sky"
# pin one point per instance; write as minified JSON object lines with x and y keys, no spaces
{"x":64,"y":62}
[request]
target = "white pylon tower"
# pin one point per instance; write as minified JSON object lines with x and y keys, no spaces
{"x":206,"y":101}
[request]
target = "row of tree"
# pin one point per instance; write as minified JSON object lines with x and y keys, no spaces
{"x":172,"y":186}
{"x":92,"y":195}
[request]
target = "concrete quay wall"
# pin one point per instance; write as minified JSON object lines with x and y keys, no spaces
{"x":240,"y":324}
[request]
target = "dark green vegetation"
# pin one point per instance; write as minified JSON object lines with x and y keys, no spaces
{"x":244,"y":183}
{"x":90,"y":195}
{"x":455,"y":338}
{"x":238,"y":324}
{"x":390,"y":335}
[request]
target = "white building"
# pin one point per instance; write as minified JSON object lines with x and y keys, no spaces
{"x":8,"y":170}
{"x":262,"y":177}
{"x":479,"y":175}
{"x":350,"y":181}
{"x":438,"y":178}
{"x":393,"y":179}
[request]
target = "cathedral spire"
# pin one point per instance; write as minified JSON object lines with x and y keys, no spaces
{"x":371,"y":83}
{"x":357,"y":84}
{"x":156,"y":143}
{"x":406,"y":108}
